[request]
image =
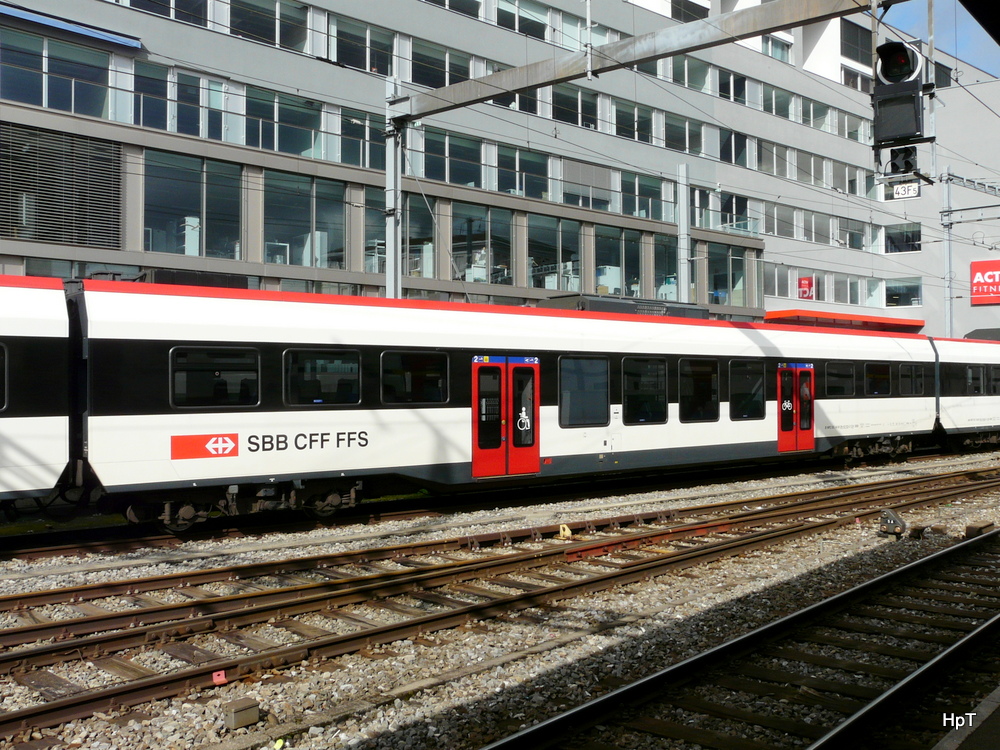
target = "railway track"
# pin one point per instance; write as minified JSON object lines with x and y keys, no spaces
{"x":77,"y":651}
{"x":829,"y":676}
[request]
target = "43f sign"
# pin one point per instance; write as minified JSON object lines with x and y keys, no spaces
{"x":985,"y":282}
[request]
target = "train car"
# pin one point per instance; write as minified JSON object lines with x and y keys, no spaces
{"x":240,"y":401}
{"x":969,"y":385}
{"x":34,"y":387}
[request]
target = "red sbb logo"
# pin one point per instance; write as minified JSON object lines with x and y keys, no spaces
{"x":204,"y":446}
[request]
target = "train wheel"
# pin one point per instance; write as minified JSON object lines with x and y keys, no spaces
{"x":322,"y":507}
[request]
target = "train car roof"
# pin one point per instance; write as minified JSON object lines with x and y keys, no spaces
{"x":216,"y":293}
{"x":33,"y":306}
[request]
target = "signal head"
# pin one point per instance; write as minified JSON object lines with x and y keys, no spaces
{"x":897,"y":62}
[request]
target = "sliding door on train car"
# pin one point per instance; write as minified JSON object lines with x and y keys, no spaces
{"x":504,"y":416}
{"x":796,"y":415}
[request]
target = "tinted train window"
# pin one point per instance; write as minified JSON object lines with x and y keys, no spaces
{"x":975,"y":376}
{"x":322,"y":377}
{"x":911,"y":380}
{"x":746,"y":390}
{"x":644,"y":391}
{"x":699,"y":390}
{"x":878,"y":381}
{"x":840,"y":379}
{"x":203,"y":376}
{"x":994,"y":381}
{"x":414,"y":378}
{"x":583,"y":392}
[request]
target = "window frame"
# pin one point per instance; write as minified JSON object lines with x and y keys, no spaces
{"x":683,"y":403}
{"x":398,"y":402}
{"x":762,"y":400}
{"x":564,"y":409}
{"x":286,"y":380}
{"x":173,"y":370}
{"x":826,"y":379}
{"x":664,"y":372}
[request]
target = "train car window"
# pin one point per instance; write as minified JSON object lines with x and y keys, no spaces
{"x":911,"y":380}
{"x":840,"y":379}
{"x":584,"y":399}
{"x":878,"y":379}
{"x":490,"y":418}
{"x":994,"y":381}
{"x":315,"y":377}
{"x":214,"y":376}
{"x":644,"y":390}
{"x":975,"y":377}
{"x":414,"y":377}
{"x":524,"y":405}
{"x":746,"y":389}
{"x":698,"y":384}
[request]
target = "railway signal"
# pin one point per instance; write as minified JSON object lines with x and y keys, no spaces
{"x":898,"y":96}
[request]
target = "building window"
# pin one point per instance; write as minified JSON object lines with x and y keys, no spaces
{"x":776,"y":48}
{"x":467,"y":7}
{"x":855,"y":42}
{"x":682,"y":134}
{"x":774,"y":159}
{"x":726,"y":275}
{"x":481,"y":244}
{"x":687,"y":10}
{"x":54,"y":74}
{"x":816,"y":115}
{"x":733,"y":148}
{"x":633,"y":122}
{"x":304,"y":220}
{"x":902,"y":292}
{"x":553,"y":253}
{"x":523,"y":101}
{"x":282,"y":122}
{"x":587,"y":186}
{"x":777,"y":101}
{"x":436,"y":66}
{"x":191,"y":11}
{"x":526,"y":16}
{"x":642,"y":196}
{"x":857,"y":81}
{"x":689,"y":72}
{"x":618,"y":261}
{"x":362,"y":139}
{"x":521,"y":172}
{"x":665,"y":266}
{"x":733,"y":87}
{"x":575,"y":106}
{"x":418,"y":236}
{"x":374,"y":230}
{"x":60,"y":188}
{"x":902,"y":238}
{"x":254,"y":19}
{"x":358,"y":45}
{"x":191,"y":206}
{"x":452,"y":158}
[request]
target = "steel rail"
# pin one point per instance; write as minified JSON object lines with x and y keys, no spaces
{"x":560,"y":728}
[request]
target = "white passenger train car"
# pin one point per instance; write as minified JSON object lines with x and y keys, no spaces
{"x":34,"y":387}
{"x":299,"y":398}
{"x":181,"y":401}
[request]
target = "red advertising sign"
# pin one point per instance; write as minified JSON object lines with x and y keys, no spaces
{"x":806,"y":287}
{"x":204,"y":446}
{"x":985,"y":276}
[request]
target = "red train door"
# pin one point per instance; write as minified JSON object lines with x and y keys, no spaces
{"x":504,"y":416}
{"x":796,"y":391}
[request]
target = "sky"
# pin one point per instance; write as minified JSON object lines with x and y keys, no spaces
{"x":955,"y":31}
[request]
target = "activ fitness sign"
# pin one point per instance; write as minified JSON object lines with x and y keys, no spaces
{"x":985,"y":282}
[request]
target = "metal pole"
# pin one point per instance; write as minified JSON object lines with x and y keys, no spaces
{"x":395,"y":129}
{"x":946,"y":220}
{"x":684,"y":260}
